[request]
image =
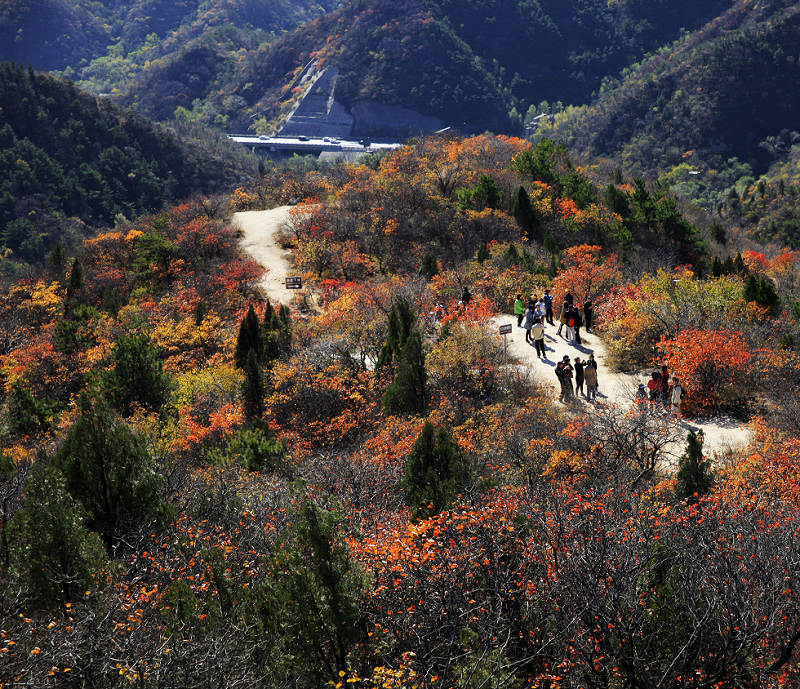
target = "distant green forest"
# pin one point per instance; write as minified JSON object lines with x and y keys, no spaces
{"x":708,"y":115}
{"x":474,"y":63}
{"x":71,"y":160}
{"x":93,"y":40}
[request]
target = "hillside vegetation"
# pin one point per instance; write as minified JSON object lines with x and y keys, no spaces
{"x":707,"y":115}
{"x":92,"y":39}
{"x":475,"y":64}
{"x":468,"y":63}
{"x":204,"y":488}
{"x":72,"y":160}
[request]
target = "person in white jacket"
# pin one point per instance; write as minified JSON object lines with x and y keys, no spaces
{"x":677,"y":396}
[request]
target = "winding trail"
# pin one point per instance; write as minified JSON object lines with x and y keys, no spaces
{"x":722,"y":434}
{"x":258,"y":239}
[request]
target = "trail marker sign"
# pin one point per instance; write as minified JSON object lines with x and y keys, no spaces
{"x":294,"y":282}
{"x":505,"y":330}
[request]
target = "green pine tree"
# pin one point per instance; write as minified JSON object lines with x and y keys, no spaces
{"x":25,"y":414}
{"x":108,"y":468}
{"x":435,"y":471}
{"x":319,"y":591}
{"x":56,"y":261}
{"x":76,"y":288}
{"x":249,"y":338}
{"x":407,"y":394}
{"x":52,"y":552}
{"x":429,"y":266}
{"x":402,"y":320}
{"x":137,"y":375}
{"x":695,"y":477}
{"x":526,"y":215}
{"x":269,"y":317}
{"x":483,"y":253}
{"x":253,"y":389}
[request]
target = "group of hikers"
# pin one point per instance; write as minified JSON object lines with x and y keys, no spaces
{"x":584,"y":373}
{"x":662,"y":391}
{"x":538,"y":312}
{"x":659,"y":393}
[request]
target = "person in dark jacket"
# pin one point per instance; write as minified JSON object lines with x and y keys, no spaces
{"x":588,"y":313}
{"x":665,"y":386}
{"x":578,"y":324}
{"x":578,"y":366}
{"x":548,"y":305}
{"x":564,"y":375}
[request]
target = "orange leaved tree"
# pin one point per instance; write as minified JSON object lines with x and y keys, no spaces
{"x":711,"y":366}
{"x":586,"y":273}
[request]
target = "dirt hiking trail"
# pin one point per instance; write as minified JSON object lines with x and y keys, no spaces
{"x":258,"y":239}
{"x":722,"y":434}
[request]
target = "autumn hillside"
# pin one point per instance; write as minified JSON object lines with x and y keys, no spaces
{"x":73,"y":162}
{"x":354,"y":488}
{"x":708,"y":115}
{"x":474,"y":64}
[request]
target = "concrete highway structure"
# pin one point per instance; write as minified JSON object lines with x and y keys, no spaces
{"x":302,"y":145}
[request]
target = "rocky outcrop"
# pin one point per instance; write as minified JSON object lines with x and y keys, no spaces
{"x":319,"y":114}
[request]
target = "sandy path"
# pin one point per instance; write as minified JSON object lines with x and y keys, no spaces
{"x":258,"y":230}
{"x":721,"y":433}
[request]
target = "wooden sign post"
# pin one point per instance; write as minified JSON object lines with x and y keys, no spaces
{"x":504,"y":331}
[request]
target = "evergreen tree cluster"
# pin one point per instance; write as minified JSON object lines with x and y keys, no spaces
{"x":100,"y":486}
{"x":258,"y":344}
{"x":407,"y":393}
{"x":695,"y":477}
{"x":69,"y":159}
{"x":436,"y":470}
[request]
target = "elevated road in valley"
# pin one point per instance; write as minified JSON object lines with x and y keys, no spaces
{"x":304,"y":145}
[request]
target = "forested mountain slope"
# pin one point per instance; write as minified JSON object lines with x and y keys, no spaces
{"x":700,"y":114}
{"x":463,"y":61}
{"x":103,"y":43}
{"x":70,"y":158}
{"x":467,"y":62}
{"x":199,"y":484}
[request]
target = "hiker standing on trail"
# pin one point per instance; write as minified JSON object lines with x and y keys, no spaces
{"x":593,"y":363}
{"x":548,"y":305}
{"x":590,"y":377}
{"x":677,"y":397}
{"x":538,"y":337}
{"x":579,"y":375}
{"x":562,"y":317}
{"x":578,"y":324}
{"x":541,"y":311}
{"x":568,"y":298}
{"x":588,"y":312}
{"x":665,"y":386}
{"x":571,"y":320}
{"x":529,"y":318}
{"x":654,"y":386}
{"x":564,"y":375}
{"x":519,"y":310}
